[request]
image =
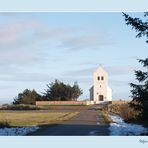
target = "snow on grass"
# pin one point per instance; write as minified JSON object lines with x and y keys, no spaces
{"x":120,"y":128}
{"x":19,"y":131}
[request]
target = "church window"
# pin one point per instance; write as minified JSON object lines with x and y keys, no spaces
{"x":102,"y":78}
{"x":98,"y":78}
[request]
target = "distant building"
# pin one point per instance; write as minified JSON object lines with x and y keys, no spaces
{"x":100,"y":91}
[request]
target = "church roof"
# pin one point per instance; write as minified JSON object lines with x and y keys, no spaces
{"x":101,"y":69}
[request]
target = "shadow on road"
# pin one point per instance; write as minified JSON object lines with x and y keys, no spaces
{"x":72,"y":130}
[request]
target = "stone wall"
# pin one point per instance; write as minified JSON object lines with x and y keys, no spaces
{"x":42,"y":103}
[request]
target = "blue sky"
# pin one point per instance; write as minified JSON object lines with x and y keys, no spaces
{"x":37,"y":48}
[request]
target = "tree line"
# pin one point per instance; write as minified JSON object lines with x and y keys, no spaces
{"x":56,"y":91}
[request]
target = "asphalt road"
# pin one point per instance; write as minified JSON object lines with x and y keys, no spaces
{"x":89,"y":122}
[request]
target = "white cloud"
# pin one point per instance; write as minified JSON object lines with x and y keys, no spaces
{"x":21,"y":43}
{"x":82,"y":72}
{"x":12,"y":33}
{"x":87,"y":39}
{"x":119,"y":83}
{"x":112,"y":70}
{"x":120,"y":70}
{"x":26,"y":77}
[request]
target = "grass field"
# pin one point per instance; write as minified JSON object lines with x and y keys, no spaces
{"x":19,"y":119}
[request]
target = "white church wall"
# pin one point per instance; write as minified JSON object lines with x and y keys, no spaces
{"x":109,"y":96}
{"x":100,"y":85}
{"x":100,"y":78}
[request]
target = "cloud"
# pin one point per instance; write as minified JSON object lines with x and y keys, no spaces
{"x":119,"y":83}
{"x":15,"y":41}
{"x":85,"y":76}
{"x":5,"y":87}
{"x":84,"y":80}
{"x":122,"y":95}
{"x":26,"y":77}
{"x":13,"y":33}
{"x":120,"y":70}
{"x":89,"y":63}
{"x":87,"y":39}
{"x":28,"y":41}
{"x":19,"y":57}
{"x":82,"y":72}
{"x":54,"y":32}
{"x":112,"y":70}
{"x":75,"y":38}
{"x":20,"y":46}
{"x":7,"y":73}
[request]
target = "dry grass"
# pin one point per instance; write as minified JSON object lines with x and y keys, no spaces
{"x":18,"y":119}
{"x":124,"y":109}
{"x":106,"y":116}
{"x":118,"y":102}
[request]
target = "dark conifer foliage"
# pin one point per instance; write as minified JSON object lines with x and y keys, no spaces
{"x":27,"y":97}
{"x":139,"y":24}
{"x":140,"y":89}
{"x":58,"y":91}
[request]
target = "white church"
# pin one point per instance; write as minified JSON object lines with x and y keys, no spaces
{"x":100,"y":92}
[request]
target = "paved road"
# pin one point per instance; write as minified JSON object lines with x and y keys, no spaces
{"x":87,"y":122}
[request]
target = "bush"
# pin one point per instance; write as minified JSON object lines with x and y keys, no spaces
{"x":20,"y":107}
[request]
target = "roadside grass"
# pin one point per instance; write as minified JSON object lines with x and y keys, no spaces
{"x":123,"y":109}
{"x":103,"y":111}
{"x":24,"y":119}
{"x":106,"y":116}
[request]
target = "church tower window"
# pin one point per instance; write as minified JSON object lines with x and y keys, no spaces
{"x":102,"y":78}
{"x":98,"y":78}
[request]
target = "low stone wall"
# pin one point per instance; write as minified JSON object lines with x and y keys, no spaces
{"x":42,"y":103}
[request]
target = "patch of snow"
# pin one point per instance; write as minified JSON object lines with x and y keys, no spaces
{"x":120,"y":128}
{"x":93,"y":133}
{"x":19,"y":131}
{"x":98,"y":123}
